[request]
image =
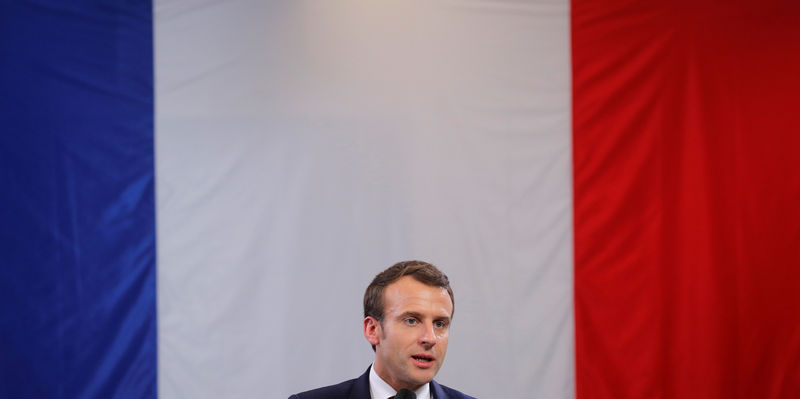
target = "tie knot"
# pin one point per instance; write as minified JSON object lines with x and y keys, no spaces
{"x":404,"y":394}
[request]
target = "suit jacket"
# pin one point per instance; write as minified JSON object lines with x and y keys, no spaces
{"x":358,"y":388}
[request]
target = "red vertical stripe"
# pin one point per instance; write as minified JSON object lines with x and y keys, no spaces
{"x":687,"y":199}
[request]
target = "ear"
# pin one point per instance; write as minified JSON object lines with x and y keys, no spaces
{"x":372,"y":330}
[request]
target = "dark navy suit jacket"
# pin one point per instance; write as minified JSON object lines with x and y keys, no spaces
{"x":359,"y":389}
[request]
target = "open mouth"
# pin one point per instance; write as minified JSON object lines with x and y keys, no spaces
{"x":423,"y":360}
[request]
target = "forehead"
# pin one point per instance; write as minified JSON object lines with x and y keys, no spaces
{"x":407,"y":294}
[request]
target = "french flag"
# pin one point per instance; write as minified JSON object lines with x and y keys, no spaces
{"x":196,"y":193}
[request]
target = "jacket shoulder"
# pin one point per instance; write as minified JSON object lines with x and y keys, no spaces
{"x":445,"y":392}
{"x":356,"y":388}
{"x":340,"y":390}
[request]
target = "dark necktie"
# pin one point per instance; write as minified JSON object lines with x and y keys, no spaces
{"x":404,"y":394}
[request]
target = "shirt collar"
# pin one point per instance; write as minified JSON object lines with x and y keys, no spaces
{"x":380,"y":389}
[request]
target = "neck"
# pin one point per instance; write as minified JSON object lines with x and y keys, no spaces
{"x":396,"y":385}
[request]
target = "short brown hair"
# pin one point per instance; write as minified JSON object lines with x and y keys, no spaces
{"x":423,"y":272}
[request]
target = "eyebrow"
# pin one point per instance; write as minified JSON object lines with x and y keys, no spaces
{"x":420,"y":316}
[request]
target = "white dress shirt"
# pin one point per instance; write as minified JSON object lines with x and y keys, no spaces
{"x":380,"y":389}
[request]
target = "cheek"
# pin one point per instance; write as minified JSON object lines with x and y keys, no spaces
{"x":443,"y":341}
{"x":407,"y":337}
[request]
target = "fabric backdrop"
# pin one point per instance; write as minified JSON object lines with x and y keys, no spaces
{"x":289,"y":151}
{"x":77,"y":204}
{"x":687,"y":233}
{"x":305,"y":146}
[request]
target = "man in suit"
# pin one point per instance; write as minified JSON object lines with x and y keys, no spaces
{"x":407,"y":313}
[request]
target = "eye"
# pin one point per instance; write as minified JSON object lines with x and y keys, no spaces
{"x":410,"y":321}
{"x":439,"y":324}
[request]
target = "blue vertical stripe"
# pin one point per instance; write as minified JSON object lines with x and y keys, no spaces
{"x":77,"y":213}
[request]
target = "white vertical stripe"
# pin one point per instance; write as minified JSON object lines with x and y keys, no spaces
{"x":304,"y":146}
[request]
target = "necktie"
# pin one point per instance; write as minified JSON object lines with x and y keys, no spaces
{"x":404,"y":394}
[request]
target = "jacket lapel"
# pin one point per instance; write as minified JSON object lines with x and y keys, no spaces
{"x":436,"y":391}
{"x":360,"y":388}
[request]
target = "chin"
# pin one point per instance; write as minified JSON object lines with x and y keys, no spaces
{"x":424,"y":376}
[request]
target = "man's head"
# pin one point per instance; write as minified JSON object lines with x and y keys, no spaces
{"x":407,"y":312}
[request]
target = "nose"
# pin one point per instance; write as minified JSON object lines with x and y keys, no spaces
{"x":428,"y":337}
